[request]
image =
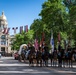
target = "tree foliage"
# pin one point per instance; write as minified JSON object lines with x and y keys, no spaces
{"x":53,"y":17}
{"x":72,"y":15}
{"x":23,"y":38}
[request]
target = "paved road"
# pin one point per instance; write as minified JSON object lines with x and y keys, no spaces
{"x":10,"y":66}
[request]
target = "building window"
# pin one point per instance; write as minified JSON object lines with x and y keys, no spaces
{"x":3,"y":37}
{"x":3,"y":42}
{"x":2,"y":27}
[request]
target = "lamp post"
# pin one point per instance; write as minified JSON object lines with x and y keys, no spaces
{"x":15,"y":28}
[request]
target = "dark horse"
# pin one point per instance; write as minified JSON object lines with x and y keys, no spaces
{"x":39,"y":57}
{"x":32,"y":56}
{"x":55,"y":57}
{"x":45,"y":56}
{"x":69,"y":57}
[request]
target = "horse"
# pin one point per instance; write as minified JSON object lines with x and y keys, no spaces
{"x":32,"y":56}
{"x":63,"y":58}
{"x":55,"y":57}
{"x":51,"y":58}
{"x":70,"y":56}
{"x":45,"y":56}
{"x":39,"y":57}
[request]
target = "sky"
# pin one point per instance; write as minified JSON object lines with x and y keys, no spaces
{"x":20,"y":12}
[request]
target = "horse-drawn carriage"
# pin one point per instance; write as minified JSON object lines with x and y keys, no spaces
{"x":22,"y":52}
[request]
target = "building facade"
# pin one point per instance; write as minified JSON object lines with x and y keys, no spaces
{"x":5,"y":46}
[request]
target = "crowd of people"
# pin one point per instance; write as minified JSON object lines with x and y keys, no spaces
{"x":42,"y":56}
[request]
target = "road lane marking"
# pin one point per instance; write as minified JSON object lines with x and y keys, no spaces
{"x":17,"y":64}
{"x":36,"y":72}
{"x":23,"y":72}
{"x":29,"y":70}
{"x":14,"y":64}
{"x":58,"y":71}
{"x":66,"y":71}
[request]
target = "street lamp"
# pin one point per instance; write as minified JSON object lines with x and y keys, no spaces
{"x":15,"y":28}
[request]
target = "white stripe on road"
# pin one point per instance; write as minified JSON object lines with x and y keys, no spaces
{"x":23,"y":72}
{"x":66,"y":72}
{"x":14,"y":64}
{"x":57,"y":71}
{"x":35,"y":72}
{"x":17,"y":64}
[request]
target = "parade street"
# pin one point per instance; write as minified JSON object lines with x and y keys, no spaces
{"x":10,"y":66}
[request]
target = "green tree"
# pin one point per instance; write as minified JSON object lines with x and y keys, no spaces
{"x":72,"y":14}
{"x":71,"y":6}
{"x":54,"y":16}
{"x":38,"y":27}
{"x":23,"y":38}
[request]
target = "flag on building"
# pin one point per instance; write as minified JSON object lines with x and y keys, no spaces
{"x":21,"y":29}
{"x":4,"y":30}
{"x":52,"y":42}
{"x":7,"y":30}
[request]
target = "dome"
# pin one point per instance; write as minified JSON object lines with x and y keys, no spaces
{"x":3,"y":17}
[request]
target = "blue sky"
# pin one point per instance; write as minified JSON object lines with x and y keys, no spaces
{"x":20,"y":12}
